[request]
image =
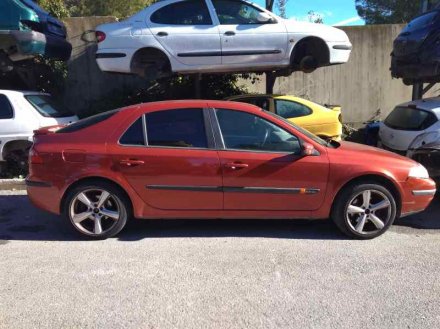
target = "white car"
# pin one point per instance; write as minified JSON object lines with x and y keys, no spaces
{"x":20,"y":114}
{"x":198,"y":36}
{"x":411,"y":125}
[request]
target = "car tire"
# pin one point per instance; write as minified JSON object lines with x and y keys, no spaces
{"x":364,"y":210}
{"x":107,"y":207}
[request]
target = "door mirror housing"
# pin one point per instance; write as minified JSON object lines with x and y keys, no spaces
{"x":309,"y":150}
{"x":264,"y":18}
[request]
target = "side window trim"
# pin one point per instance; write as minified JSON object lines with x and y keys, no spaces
{"x":221,"y":146}
{"x":11,"y":108}
{"x":143,"y":132}
{"x":210,"y":138}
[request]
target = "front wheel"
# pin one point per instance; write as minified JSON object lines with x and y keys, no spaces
{"x":364,"y":211}
{"x":98,"y":211}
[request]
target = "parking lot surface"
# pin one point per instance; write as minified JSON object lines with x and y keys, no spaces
{"x":216,"y":274}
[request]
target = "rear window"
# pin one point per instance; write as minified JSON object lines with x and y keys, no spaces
{"x":420,"y":22}
{"x":407,"y":118}
{"x":87,"y":122}
{"x":47,"y":107}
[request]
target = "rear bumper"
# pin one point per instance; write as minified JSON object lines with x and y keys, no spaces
{"x":44,"y":195}
{"x":36,"y":43}
{"x":413,"y":69}
{"x":418,"y":194}
{"x":339,"y":52}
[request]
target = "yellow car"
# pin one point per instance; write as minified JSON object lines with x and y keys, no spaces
{"x":325,"y":122}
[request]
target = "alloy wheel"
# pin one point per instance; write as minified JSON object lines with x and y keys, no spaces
{"x":368,"y":212}
{"x":94,"y":211}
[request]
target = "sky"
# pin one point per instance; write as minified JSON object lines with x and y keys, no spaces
{"x":333,"y":12}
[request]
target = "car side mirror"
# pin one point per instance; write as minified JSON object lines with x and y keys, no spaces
{"x":264,"y":18}
{"x":308,"y":149}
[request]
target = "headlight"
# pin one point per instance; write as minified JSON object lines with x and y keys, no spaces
{"x":423,"y":139}
{"x":418,"y":172}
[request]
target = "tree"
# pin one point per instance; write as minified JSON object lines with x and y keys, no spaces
{"x":116,"y":8}
{"x":388,"y":11}
{"x":315,"y":17}
{"x":281,"y":5}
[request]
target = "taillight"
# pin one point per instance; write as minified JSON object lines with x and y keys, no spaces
{"x":34,"y":157}
{"x":100,"y":36}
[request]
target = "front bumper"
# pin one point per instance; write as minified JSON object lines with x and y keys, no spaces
{"x":36,"y":43}
{"x":417,"y":195}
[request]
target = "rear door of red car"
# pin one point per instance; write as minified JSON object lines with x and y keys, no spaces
{"x":263,"y":168}
{"x":166,"y":156}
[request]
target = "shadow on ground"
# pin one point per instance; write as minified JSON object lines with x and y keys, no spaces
{"x":19,"y":220}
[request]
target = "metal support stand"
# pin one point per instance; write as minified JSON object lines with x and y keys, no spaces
{"x":270,"y":82}
{"x":417,"y":92}
{"x":197,"y":86}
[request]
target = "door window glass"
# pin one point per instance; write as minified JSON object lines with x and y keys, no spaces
{"x":232,"y":12}
{"x":134,"y":135}
{"x":5,"y":108}
{"x":260,"y":102}
{"x":245,"y":131}
{"x":190,"y":12}
{"x":288,"y":109}
{"x":177,"y":128}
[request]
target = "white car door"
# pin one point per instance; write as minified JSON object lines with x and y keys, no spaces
{"x":245,"y":39}
{"x":186,"y":30}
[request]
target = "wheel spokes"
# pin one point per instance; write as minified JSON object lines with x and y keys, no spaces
{"x":377,"y":222}
{"x":78,"y":218}
{"x":355,"y":210}
{"x":98,"y":228}
{"x":381,"y":205}
{"x":366,"y":197}
{"x":84,"y":199}
{"x":110,"y":214}
{"x":361,"y":223}
{"x":103,"y":198}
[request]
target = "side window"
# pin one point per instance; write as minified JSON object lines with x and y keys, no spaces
{"x":260,"y":102}
{"x":233,"y":12}
{"x":289,"y":109}
{"x":245,"y":131}
{"x":6,"y":111}
{"x":188,"y":12}
{"x":177,"y":128}
{"x":134,"y":135}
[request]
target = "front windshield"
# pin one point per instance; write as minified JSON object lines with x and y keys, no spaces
{"x":313,"y":137}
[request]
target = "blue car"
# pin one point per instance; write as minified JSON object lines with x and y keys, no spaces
{"x":26,"y":30}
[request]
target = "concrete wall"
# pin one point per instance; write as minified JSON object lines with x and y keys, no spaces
{"x":362,"y":86}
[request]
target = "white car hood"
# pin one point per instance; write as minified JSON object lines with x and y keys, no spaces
{"x":326,"y":32}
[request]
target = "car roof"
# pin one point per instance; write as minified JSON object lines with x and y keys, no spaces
{"x":196,"y":103}
{"x":428,"y":104}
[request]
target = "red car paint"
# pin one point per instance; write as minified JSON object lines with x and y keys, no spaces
{"x":94,"y":152}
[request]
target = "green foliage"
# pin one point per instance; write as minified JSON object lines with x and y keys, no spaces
{"x":116,"y":8}
{"x":180,"y":87}
{"x":281,"y":6}
{"x":56,"y":8}
{"x":388,"y":11}
{"x":315,"y":17}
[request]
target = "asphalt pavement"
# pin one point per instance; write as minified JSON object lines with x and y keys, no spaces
{"x":216,"y":274}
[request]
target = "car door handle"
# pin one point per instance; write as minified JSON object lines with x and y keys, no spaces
{"x":131,"y":162}
{"x":162,"y":34}
{"x":229,"y":33}
{"x":236,"y":165}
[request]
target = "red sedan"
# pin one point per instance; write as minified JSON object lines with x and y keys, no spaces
{"x":213,"y":159}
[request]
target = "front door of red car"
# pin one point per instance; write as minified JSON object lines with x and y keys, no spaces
{"x":176,"y":170}
{"x":263,"y":168}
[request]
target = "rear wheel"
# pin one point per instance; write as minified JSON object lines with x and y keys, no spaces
{"x":364,"y":211}
{"x":98,"y":211}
